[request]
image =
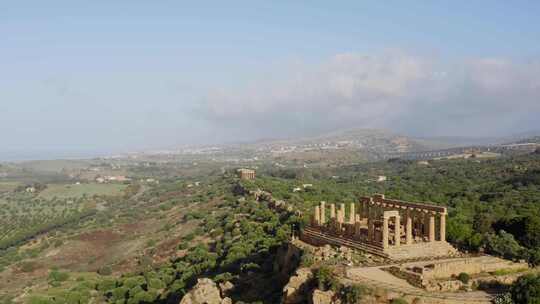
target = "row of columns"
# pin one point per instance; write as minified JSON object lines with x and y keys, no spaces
{"x":421,"y":221}
{"x":246,"y":173}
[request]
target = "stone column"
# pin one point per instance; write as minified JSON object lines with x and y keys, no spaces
{"x":317,"y":216}
{"x":370,"y":224}
{"x":365,"y":210}
{"x":443,"y":227}
{"x":332,"y":211}
{"x":357,"y":229}
{"x":431,"y":227}
{"x":408,"y":228}
{"x":323,"y":211}
{"x":352,"y":214}
{"x":385,"y":233}
{"x":397,"y":230}
{"x":340,"y":214}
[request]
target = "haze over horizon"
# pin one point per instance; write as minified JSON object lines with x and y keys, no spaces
{"x":103,"y":77}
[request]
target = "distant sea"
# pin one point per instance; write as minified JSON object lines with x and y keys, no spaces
{"x":26,"y":155}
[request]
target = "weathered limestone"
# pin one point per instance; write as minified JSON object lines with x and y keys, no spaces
{"x":323,"y":297}
{"x":342,"y":213}
{"x":376,"y":222}
{"x":371,"y":225}
{"x":425,"y":231}
{"x":397,"y":231}
{"x":431,"y":227}
{"x":205,"y":292}
{"x":442,"y":231}
{"x":297,"y":288}
{"x":323,"y":211}
{"x":246,"y":174}
{"x":385,"y":233}
{"x":408,"y":229}
{"x":357,"y":229}
{"x":371,"y":230}
{"x":440,"y":275}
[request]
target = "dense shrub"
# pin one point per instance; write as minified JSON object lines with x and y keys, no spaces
{"x":326,"y":279}
{"x":504,"y":244}
{"x":353,"y":294}
{"x":28,"y":266}
{"x":464,"y":277}
{"x":398,"y":301}
{"x":105,"y":270}
{"x":526,"y":289}
{"x":58,"y":276}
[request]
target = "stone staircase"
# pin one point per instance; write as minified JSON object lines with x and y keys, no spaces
{"x":404,"y":252}
{"x":310,"y":235}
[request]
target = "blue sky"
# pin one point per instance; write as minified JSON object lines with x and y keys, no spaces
{"x":114,"y":76}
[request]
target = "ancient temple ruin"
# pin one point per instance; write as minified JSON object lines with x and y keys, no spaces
{"x":246,"y":174}
{"x":390,"y":228}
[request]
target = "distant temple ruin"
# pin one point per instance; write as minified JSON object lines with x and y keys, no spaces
{"x":389,"y":228}
{"x":246,"y":174}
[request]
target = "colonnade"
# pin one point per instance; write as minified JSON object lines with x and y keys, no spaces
{"x":386,"y":221}
{"x":247,"y":174}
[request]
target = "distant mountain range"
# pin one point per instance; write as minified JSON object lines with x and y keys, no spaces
{"x":365,"y":143}
{"x":370,"y":144}
{"x":371,"y":138}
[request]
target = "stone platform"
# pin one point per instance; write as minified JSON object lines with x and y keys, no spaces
{"x":421,"y":250}
{"x":441,"y":275}
{"x":430,"y":250}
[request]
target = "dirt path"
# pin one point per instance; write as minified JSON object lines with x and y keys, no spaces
{"x":378,"y":278}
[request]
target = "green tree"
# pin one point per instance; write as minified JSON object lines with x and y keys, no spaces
{"x":57,"y":276}
{"x":398,"y":301}
{"x":353,"y":294}
{"x":326,"y":278}
{"x":526,"y":289}
{"x":531,"y":237}
{"x":505,"y":245}
{"x":464,"y":277}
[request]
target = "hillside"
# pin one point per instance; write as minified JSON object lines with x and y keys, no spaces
{"x":150,"y":239}
{"x":333,"y":148}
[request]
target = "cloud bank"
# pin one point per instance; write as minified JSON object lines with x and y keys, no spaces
{"x":397,"y":91}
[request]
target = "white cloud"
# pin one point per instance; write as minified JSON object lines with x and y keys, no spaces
{"x":392,"y":90}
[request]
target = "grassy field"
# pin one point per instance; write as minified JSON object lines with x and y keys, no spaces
{"x":75,"y":191}
{"x":8,"y":186}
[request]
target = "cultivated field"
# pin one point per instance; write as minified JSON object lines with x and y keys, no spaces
{"x":77,"y":191}
{"x":8,"y":186}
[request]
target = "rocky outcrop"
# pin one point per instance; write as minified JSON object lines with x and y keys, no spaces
{"x":279,"y":205}
{"x":226,"y":288}
{"x":205,"y":292}
{"x":287,"y":260}
{"x":297,"y":290}
{"x":449,"y":285}
{"x":324,"y":297}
